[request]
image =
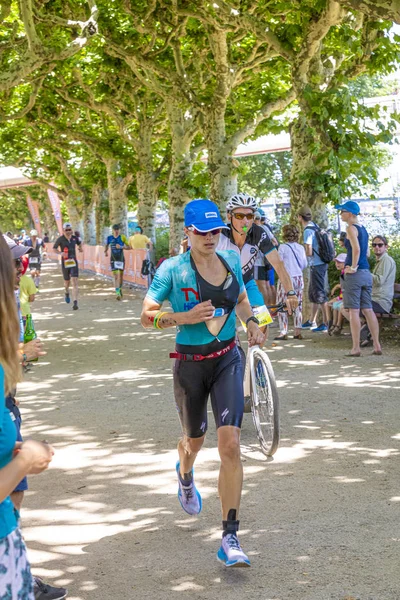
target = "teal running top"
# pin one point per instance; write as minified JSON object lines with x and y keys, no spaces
{"x":8,"y":436}
{"x":175,"y":280}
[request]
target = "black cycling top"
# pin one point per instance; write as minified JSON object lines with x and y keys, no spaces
{"x":256,"y":240}
{"x":62,"y":242}
{"x":36,"y":249}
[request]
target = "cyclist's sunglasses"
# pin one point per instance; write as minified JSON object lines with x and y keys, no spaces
{"x":241,"y":216}
{"x":374,"y":245}
{"x":204,"y":233}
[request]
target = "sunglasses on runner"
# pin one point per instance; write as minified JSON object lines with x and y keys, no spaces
{"x":379,"y":245}
{"x":241,"y":216}
{"x":204,"y":233}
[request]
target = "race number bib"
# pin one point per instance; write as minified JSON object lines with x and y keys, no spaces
{"x":33,"y":261}
{"x":119,"y":264}
{"x":263,"y":315}
{"x":69,"y":263}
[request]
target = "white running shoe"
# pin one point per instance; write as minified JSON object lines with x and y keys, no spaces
{"x":188,"y":496}
{"x":231,"y":553}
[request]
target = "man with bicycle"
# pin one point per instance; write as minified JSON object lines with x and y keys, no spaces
{"x":206,"y":291}
{"x":247,"y":239}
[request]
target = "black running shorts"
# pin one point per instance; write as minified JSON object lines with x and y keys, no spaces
{"x":222,"y":379}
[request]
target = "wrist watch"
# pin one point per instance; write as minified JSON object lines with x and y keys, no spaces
{"x":252,"y":318}
{"x":291,"y":293}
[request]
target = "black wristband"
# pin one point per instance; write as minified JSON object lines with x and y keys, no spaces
{"x":252,"y":318}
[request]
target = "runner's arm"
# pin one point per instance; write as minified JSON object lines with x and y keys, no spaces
{"x":243,"y":310}
{"x":106,"y":249}
{"x":198,"y":314}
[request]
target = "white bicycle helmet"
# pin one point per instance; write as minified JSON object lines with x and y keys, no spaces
{"x":241,"y":201}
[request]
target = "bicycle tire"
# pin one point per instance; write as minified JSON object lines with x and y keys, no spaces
{"x":264,"y":401}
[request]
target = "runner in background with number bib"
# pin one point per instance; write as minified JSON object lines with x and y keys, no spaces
{"x":66,"y":246}
{"x":117,"y":243}
{"x":35,"y":257}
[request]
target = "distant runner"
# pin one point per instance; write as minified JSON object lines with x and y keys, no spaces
{"x":35,"y":257}
{"x":117,"y":242}
{"x":69,"y":264}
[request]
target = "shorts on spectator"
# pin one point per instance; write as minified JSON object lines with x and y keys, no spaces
{"x":357,"y":289}
{"x":317,"y":288}
{"x":377,"y":308}
{"x":337,"y":305}
{"x":261,"y":273}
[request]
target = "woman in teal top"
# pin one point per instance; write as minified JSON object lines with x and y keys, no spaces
{"x":16,"y":459}
{"x":206,"y":290}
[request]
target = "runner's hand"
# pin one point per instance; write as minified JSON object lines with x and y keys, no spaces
{"x":200,"y":313}
{"x":292,"y":302}
{"x":38,"y":455}
{"x":34,"y":349}
{"x":255,"y":336}
{"x":118,"y":246}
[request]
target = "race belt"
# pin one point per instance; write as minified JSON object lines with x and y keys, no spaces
{"x":199,"y":357}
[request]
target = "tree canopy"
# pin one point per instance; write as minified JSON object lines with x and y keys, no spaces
{"x":124,"y":102}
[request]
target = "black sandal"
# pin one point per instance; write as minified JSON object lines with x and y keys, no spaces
{"x":281,"y":337}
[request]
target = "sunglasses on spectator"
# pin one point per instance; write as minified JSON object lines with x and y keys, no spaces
{"x":204,"y":233}
{"x":375,"y":244}
{"x":18,"y":262}
{"x":241,"y":216}
{"x":68,"y":230}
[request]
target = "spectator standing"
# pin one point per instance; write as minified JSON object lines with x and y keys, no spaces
{"x":46,"y":238}
{"x":357,"y":289}
{"x":139,"y":241}
{"x":27,"y":290}
{"x":317,"y":293}
{"x":294,"y":258}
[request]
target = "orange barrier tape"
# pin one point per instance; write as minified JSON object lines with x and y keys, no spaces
{"x":93,"y":259}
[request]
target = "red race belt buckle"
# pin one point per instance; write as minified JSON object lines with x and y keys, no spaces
{"x":198,"y":357}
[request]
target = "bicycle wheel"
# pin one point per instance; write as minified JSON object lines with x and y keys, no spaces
{"x":264,"y":401}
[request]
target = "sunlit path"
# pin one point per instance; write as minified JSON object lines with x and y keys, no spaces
{"x":320,"y":521}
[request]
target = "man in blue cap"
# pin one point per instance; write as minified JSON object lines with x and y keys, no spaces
{"x":357,"y":289}
{"x":206,"y":291}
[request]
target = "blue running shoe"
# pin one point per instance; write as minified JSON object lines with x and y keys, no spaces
{"x":67,"y":298}
{"x":308,"y":325}
{"x":188,"y":496}
{"x":231,"y":553}
{"x":320,"y":328}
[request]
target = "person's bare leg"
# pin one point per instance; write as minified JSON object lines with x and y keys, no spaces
{"x":263,"y":289}
{"x":325,"y":312}
{"x":188,"y":449}
{"x":231,"y":471}
{"x":17,"y":499}
{"x":272,"y":292}
{"x":355,"y":327}
{"x":373,"y":327}
{"x":121,"y":278}
{"x":314,"y":312}
{"x":66,"y":285}
{"x":74,"y":289}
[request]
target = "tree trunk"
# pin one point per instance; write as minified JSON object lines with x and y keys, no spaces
{"x":49,"y":223}
{"x":102,"y":217}
{"x":118,"y":200}
{"x":305,"y":174}
{"x":221,"y":165}
{"x":74,"y":216}
{"x":89,"y":220}
{"x":182,"y":133}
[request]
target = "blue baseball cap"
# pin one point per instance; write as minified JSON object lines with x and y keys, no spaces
{"x":349,"y":206}
{"x":203,"y":215}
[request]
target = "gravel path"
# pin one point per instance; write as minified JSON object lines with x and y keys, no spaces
{"x":320,"y":521}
